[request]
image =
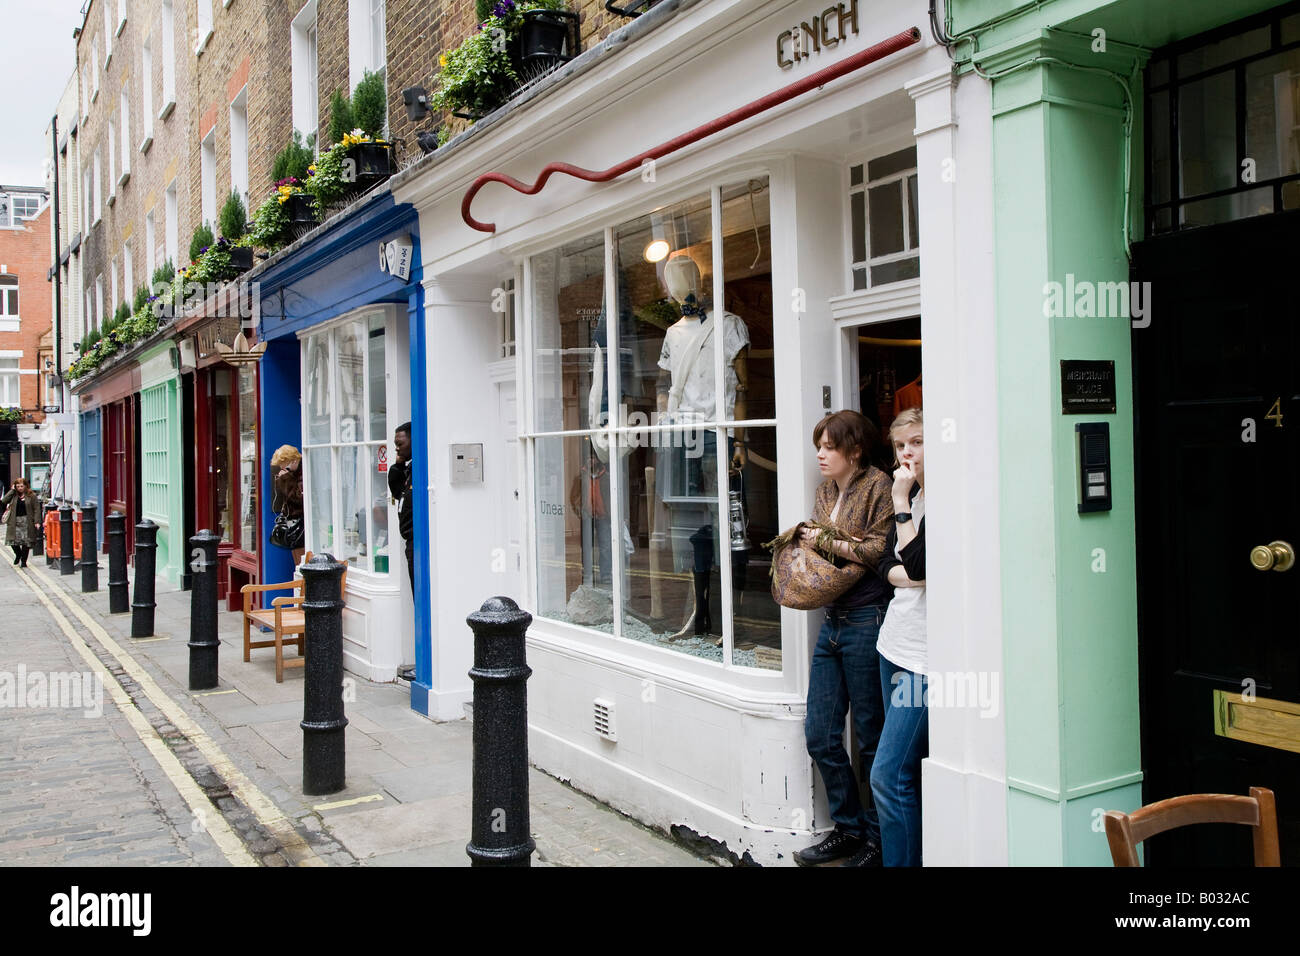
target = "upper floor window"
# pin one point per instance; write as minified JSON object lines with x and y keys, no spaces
{"x":168,"y":57}
{"x":302,"y":48}
{"x":367,"y":38}
{"x":22,"y":207}
{"x":10,"y":381}
{"x":9,"y":296}
{"x":204,"y":24}
{"x":885,"y":234}
{"x":94,"y":67}
{"x":108,"y":32}
{"x":1223,"y":124}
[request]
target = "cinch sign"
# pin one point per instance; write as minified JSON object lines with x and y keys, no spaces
{"x":801,"y":42}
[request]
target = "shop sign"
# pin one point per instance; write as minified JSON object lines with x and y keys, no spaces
{"x":827,"y":29}
{"x":1087,"y":387}
{"x":382,"y":465}
{"x":395,"y":257}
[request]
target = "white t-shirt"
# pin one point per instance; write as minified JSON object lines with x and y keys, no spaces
{"x":696,"y":403}
{"x":902,"y":635}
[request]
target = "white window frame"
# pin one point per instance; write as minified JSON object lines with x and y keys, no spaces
{"x":146,"y":92}
{"x":94,"y":68}
{"x":112,"y":162}
{"x":150,"y":246}
{"x":171,"y":236}
{"x":239,"y":145}
{"x":208,"y":176}
{"x":168,"y":59}
{"x":203,"y":24}
{"x":113,"y":299}
{"x":127,"y":268}
{"x":121,"y":16}
{"x":99,"y":302}
{"x":385,"y":579}
{"x":125,"y":140}
{"x":908,"y":251}
{"x":362,"y":21}
{"x":108,"y":33}
{"x":305,"y":69}
{"x":99,"y":189}
{"x":9,"y":320}
{"x":11,"y":375}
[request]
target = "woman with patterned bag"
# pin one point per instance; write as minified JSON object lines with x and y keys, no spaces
{"x":851,"y":517}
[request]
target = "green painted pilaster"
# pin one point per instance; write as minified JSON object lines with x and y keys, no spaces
{"x":1069,"y":600}
{"x":162,"y":456}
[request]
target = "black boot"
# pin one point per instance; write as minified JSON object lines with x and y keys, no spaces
{"x":26,"y":551}
{"x":703,"y":620}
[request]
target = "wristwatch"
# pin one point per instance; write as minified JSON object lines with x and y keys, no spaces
{"x":903,"y":517}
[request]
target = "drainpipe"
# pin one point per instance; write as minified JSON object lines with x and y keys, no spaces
{"x":58,"y":270}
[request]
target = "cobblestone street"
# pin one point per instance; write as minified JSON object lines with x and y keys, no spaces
{"x":143,"y":772}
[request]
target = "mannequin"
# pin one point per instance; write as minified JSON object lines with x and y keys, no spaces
{"x":686,"y":395}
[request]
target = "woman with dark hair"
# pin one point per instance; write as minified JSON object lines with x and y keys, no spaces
{"x":20,"y":520}
{"x":845,"y":675}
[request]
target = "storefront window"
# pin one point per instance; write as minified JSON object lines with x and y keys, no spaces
{"x":883,"y":220}
{"x":247,"y":459}
{"x":346,"y":423}
{"x":222,"y":453}
{"x":687,"y":374}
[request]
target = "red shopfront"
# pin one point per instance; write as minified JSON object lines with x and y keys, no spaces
{"x":221,"y":424}
{"x":117,"y":399}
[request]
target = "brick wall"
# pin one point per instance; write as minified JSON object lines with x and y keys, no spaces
{"x":25,"y":253}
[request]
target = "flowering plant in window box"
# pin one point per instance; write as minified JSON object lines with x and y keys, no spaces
{"x":351,"y":166}
{"x":482,"y":73}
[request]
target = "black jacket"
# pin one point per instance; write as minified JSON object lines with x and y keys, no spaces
{"x":399,"y":486}
{"x":913,"y":554}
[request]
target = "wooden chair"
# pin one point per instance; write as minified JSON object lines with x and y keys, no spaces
{"x":1124,"y":831}
{"x":285,"y":618}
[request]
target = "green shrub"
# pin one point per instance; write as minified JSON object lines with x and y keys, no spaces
{"x":293,"y":160}
{"x":340,"y":117}
{"x":482,"y":9}
{"x":270,"y":224}
{"x":370,"y":104}
{"x":164,"y":274}
{"x":141,"y":299}
{"x":233,"y":217}
{"x":203,"y":238}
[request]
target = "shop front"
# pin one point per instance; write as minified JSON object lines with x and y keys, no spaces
{"x":162,"y":458}
{"x":222,"y":464}
{"x":638,"y":364}
{"x":335,"y":384}
{"x":108,"y":453}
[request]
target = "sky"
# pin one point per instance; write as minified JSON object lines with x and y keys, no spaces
{"x":37,"y":62}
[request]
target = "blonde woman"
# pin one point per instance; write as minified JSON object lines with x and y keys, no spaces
{"x":286,"y":469}
{"x":903,"y":649}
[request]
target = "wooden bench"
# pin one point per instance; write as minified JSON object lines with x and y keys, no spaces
{"x":285,"y":618}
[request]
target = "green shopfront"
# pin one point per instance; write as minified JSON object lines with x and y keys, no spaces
{"x":161,"y":473}
{"x":1146,"y":213}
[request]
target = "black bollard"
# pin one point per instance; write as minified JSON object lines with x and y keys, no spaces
{"x":65,"y":538}
{"x":89,"y":550}
{"x":50,"y":556}
{"x":203,"y":611}
{"x":499,"y":833}
{"x":146,"y":557}
{"x":38,"y":546}
{"x":323,"y":721}
{"x":119,"y":602}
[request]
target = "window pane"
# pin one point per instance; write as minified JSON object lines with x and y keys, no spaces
{"x":574,"y":547}
{"x":855,"y":175}
{"x":913,"y":214}
{"x":1254,"y":202}
{"x":247,"y":459}
{"x":321,"y":504}
{"x":378,"y":395}
{"x":895,"y":271}
{"x":351,"y":358}
{"x":859,"y":279}
{"x":352,"y":485}
{"x":1207,"y":147}
{"x":1158,"y":148}
{"x":893,"y":163}
{"x":569,"y":291}
{"x":376,"y":535}
{"x":669,"y":517}
{"x":747,"y":273}
{"x":1273,"y":115}
{"x":1224,"y":51}
{"x":33,"y":453}
{"x":1291,"y":29}
{"x":751,"y":519}
{"x":664,"y":264}
{"x":12,"y":296}
{"x":885,"y":213}
{"x":222,"y":458}
{"x":858,"y":208}
{"x":1291,"y":195}
{"x":318,"y":389}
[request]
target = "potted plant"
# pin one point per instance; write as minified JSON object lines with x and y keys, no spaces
{"x":371,"y":155}
{"x":231,"y":223}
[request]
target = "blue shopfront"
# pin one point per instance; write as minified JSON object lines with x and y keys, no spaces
{"x":343,"y":367}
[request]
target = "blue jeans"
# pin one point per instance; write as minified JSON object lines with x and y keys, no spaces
{"x":896,"y":773}
{"x":844,"y":673}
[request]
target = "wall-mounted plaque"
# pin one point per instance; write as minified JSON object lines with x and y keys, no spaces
{"x":1087,"y":387}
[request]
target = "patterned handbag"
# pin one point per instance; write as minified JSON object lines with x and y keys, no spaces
{"x":802,"y":577}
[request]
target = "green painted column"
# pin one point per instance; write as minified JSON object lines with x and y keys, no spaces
{"x":1069,"y":605}
{"x":161,"y":456}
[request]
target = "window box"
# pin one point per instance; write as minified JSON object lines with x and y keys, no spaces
{"x":374,"y":164}
{"x":241,"y":260}
{"x":301,"y":209}
{"x":546,"y":39}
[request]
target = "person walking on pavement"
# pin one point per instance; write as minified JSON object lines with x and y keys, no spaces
{"x":20,"y":519}
{"x":399,"y":486}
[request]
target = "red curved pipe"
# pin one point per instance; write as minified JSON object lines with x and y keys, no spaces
{"x":810,"y":82}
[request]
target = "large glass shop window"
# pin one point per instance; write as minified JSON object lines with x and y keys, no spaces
{"x":656,"y":488}
{"x":345,"y":424}
{"x":247,"y":459}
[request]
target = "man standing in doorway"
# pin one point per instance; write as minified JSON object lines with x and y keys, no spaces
{"x":399,"y":486}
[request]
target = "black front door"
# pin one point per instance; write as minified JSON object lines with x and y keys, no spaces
{"x":1217,"y":399}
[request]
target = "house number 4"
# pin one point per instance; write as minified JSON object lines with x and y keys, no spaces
{"x":1275,"y":413}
